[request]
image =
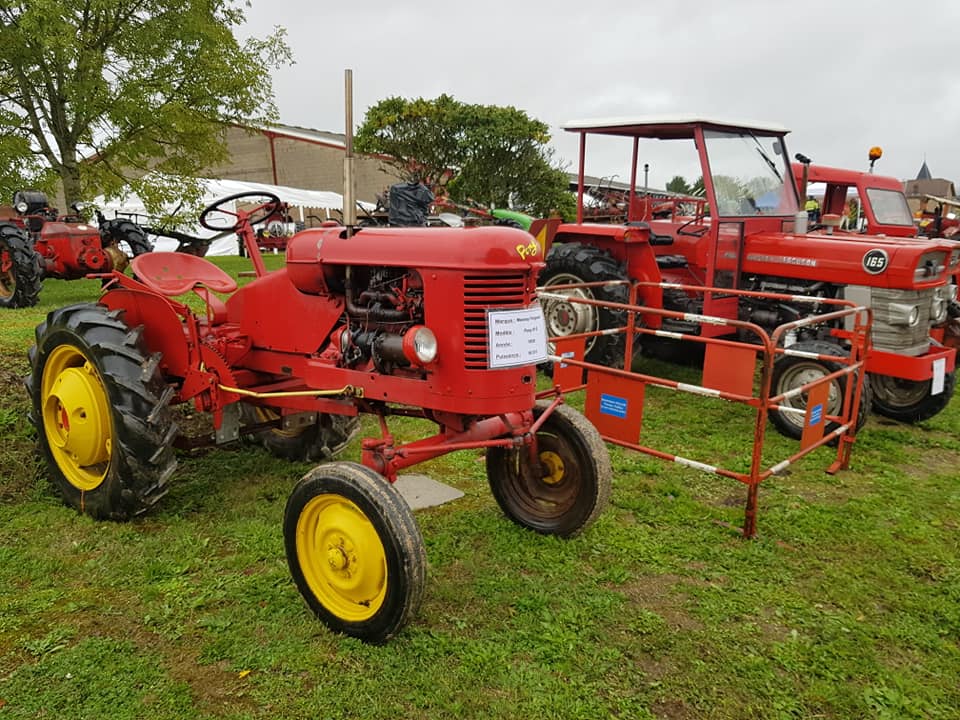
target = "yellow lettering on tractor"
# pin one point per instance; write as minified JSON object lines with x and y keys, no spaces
{"x":531,"y":249}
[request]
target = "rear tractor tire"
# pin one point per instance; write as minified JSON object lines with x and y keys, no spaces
{"x":126,"y":236}
{"x":104,"y":428}
{"x":791,"y":372}
{"x":573,"y":485}
{"x":21,"y":273}
{"x":909,"y":400}
{"x":323,"y":440}
{"x":572,"y":263}
{"x":355,"y":551}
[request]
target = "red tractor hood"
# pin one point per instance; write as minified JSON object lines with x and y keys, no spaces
{"x":848,"y":259}
{"x":477,"y":248}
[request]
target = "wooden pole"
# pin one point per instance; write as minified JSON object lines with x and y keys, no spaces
{"x":349,"y":189}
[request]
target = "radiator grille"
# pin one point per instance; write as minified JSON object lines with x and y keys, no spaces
{"x":889,"y":306}
{"x":482,"y":293}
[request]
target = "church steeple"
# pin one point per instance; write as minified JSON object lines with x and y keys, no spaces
{"x":924,"y":173}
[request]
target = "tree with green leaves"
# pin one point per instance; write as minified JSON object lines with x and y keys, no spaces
{"x":96,"y":93}
{"x":679,"y":185}
{"x":487,"y":154}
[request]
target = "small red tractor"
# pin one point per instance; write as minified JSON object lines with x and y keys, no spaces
{"x":39,"y":243}
{"x":748,"y":233}
{"x":439,"y":324}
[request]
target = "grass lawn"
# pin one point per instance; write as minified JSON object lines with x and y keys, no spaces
{"x":847,"y":605}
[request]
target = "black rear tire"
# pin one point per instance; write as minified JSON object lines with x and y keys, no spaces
{"x":570,"y":263}
{"x":355,"y":551}
{"x":100,"y":409}
{"x":323,"y":440}
{"x":126,"y":235}
{"x":790,"y":372}
{"x":21,"y":271}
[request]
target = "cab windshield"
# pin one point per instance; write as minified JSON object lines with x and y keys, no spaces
{"x":889,"y":207}
{"x":750,"y":174}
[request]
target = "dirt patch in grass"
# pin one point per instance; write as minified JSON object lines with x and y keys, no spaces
{"x":658,"y":594}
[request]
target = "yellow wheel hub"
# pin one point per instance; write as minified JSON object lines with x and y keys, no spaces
{"x":341,"y":557}
{"x":76,"y":417}
{"x":552,"y":467}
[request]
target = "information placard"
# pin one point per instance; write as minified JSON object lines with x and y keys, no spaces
{"x":516,"y":337}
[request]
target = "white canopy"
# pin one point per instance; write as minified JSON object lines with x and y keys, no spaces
{"x":214,"y":189}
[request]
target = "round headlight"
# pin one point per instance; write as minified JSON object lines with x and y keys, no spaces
{"x":938,"y":309}
{"x":914,"y":317}
{"x":22,"y":207}
{"x":420,"y":345}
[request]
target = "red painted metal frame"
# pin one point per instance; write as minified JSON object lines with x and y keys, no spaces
{"x":768,"y":347}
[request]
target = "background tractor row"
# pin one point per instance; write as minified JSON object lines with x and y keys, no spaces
{"x":438,"y":324}
{"x":37,"y":242}
{"x":744,"y":234}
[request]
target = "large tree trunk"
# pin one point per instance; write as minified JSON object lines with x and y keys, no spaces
{"x":70,"y":176}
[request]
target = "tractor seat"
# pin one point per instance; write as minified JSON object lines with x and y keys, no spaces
{"x":670,"y":261}
{"x":173,"y":273}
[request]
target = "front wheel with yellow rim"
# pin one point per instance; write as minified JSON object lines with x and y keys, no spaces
{"x":100,"y":411}
{"x":567,"y":489}
{"x":355,"y":551}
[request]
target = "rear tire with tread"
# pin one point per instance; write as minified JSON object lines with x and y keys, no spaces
{"x":103,"y":424}
{"x":570,"y":263}
{"x":115,"y":232}
{"x":313,"y":443}
{"x":21,"y":270}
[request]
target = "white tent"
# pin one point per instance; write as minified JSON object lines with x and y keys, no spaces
{"x":214,"y":189}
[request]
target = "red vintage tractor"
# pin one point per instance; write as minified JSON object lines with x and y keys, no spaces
{"x":439,"y":324}
{"x":39,"y":243}
{"x":744,"y":234}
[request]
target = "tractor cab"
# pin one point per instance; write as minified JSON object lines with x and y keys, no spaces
{"x":861,"y":201}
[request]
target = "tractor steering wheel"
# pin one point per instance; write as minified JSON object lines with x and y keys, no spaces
{"x":219,"y":219}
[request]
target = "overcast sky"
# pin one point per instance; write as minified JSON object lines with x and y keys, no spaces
{"x":842,"y":76}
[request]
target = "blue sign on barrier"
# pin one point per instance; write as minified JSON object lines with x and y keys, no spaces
{"x":613,"y":405}
{"x":816,"y":414}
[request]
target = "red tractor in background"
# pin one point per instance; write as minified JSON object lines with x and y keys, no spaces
{"x":882,"y":204}
{"x":742,"y":235}
{"x":883,"y":210}
{"x":438,"y":324}
{"x":39,"y":243}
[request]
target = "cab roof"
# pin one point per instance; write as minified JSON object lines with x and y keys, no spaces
{"x":669,"y":127}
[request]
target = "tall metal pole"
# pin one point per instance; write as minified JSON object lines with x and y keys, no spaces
{"x":349,"y":190}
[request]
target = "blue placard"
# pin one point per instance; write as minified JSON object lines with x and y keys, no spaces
{"x":816,"y":414}
{"x":613,"y":405}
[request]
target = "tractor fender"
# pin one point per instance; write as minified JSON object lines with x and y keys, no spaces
{"x":157,"y":319}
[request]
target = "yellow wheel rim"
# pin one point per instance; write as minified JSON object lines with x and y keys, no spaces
{"x":341,"y":557}
{"x":76,"y":417}
{"x":552,"y":467}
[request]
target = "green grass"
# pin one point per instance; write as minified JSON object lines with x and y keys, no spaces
{"x":847,"y":605}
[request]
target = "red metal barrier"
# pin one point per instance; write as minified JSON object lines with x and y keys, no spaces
{"x":615,"y":398}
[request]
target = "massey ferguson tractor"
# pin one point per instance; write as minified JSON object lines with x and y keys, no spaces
{"x":438,"y":324}
{"x":39,"y":243}
{"x":748,"y":232}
